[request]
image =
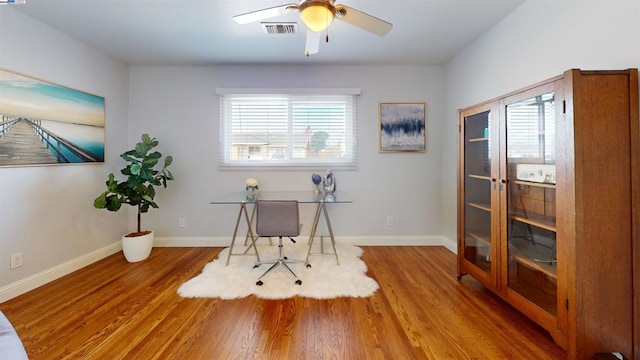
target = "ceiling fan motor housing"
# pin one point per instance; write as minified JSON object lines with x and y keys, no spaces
{"x":317,"y":15}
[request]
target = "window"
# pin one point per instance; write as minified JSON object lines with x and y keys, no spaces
{"x":288,"y":127}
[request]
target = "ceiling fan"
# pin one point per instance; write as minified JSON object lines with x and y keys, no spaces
{"x":317,"y":15}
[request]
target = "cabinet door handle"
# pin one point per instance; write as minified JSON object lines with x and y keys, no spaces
{"x":502,"y":182}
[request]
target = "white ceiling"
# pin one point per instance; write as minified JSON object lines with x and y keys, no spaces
{"x":202,"y":32}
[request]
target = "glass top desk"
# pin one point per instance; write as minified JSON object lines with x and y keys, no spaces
{"x":303,"y":197}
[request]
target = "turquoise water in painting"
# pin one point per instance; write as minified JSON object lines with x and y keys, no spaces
{"x":89,"y":138}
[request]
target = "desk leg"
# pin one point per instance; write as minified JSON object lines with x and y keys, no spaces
{"x":316,"y":220}
{"x":314,"y":227}
{"x":243,"y":211}
{"x":250,"y":230}
{"x":333,"y":240}
{"x":246,"y":238}
{"x":255,"y":237}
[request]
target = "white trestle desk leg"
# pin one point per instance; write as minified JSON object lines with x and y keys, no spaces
{"x":246,"y":238}
{"x":243,"y":211}
{"x":312,"y":235}
{"x":333,"y":240}
{"x":316,"y":220}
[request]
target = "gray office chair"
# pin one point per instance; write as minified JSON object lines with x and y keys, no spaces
{"x":278,"y":218}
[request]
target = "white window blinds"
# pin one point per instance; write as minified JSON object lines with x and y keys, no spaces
{"x":531,"y":129}
{"x":288,"y":127}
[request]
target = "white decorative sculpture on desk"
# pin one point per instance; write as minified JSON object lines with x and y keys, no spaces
{"x":329,"y":182}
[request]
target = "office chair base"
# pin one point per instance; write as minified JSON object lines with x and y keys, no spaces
{"x":260,"y":283}
{"x":275,"y":264}
{"x":281,"y":261}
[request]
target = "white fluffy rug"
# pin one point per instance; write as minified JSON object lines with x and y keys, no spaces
{"x":325,"y":279}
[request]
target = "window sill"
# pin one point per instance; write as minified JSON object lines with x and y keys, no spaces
{"x":305,"y":167}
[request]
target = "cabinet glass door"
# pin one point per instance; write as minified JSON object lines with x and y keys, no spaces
{"x":530,"y":197}
{"x":477,"y":191}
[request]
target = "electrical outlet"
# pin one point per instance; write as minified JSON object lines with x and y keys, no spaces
{"x":16,"y":260}
{"x":389,"y":220}
{"x":181,"y":222}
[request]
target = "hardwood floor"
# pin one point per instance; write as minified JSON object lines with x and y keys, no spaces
{"x":116,"y":310}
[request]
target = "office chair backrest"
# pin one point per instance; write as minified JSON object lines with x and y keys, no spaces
{"x":277,"y":218}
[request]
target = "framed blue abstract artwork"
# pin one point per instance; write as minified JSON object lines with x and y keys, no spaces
{"x":402,"y":126}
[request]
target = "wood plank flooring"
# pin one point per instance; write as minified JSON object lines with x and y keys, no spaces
{"x":116,"y":310}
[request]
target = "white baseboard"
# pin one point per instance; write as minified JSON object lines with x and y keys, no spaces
{"x":353,"y":240}
{"x":22,"y":286}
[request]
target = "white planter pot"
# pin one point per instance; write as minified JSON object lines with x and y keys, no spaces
{"x":137,"y":248}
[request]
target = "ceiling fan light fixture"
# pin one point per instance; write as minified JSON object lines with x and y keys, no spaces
{"x":317,"y":15}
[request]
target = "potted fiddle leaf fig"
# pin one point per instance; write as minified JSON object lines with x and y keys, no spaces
{"x":142,"y":174}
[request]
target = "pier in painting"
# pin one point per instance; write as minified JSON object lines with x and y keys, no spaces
{"x":24,"y":142}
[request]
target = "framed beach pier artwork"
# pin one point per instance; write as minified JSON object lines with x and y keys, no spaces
{"x":43,"y":123}
{"x":402,"y":126}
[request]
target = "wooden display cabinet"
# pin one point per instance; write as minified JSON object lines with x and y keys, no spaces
{"x":548,"y":206}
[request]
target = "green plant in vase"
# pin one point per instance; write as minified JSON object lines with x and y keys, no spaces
{"x":138,"y":190}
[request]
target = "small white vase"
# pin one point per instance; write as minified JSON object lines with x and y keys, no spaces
{"x":137,"y":248}
{"x":252,"y":193}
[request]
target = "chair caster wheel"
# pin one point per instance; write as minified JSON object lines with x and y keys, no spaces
{"x":259,"y":283}
{"x":255,"y":266}
{"x":298,"y":282}
{"x":286,"y":258}
{"x":308,"y":266}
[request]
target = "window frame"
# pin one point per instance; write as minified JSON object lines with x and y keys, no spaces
{"x":292,"y":96}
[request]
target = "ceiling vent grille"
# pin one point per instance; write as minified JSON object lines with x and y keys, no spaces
{"x":279,"y":28}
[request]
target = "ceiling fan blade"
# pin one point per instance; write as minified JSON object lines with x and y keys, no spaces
{"x":264,"y":13}
{"x":362,"y":20}
{"x":313,"y":42}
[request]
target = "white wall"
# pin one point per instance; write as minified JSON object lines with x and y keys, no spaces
{"x":46,"y":212}
{"x":179,"y":106}
{"x":539,"y":40}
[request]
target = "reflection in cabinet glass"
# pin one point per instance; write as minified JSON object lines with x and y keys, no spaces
{"x":531,"y":225}
{"x":477,"y":154}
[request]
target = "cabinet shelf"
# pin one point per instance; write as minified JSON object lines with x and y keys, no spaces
{"x":535,"y":184}
{"x":481,"y":177}
{"x":537,"y":257}
{"x":480,"y":238}
{"x":479,"y":139}
{"x":485,"y":207}
{"x":541,"y":221}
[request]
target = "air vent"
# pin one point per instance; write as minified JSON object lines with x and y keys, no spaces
{"x":279,"y":28}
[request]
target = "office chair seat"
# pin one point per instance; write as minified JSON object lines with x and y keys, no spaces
{"x":278,"y":218}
